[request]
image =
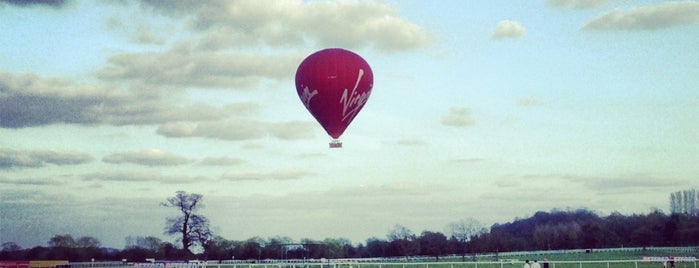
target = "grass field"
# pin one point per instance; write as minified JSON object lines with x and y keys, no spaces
{"x":576,"y":256}
{"x":606,"y":255}
{"x":602,"y":259}
{"x":554,"y":264}
{"x":625,"y":258}
{"x":567,"y":264}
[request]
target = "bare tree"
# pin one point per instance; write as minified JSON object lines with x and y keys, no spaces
{"x":192,"y":228}
{"x":151,"y":243}
{"x":62,"y":241}
{"x":402,"y":241}
{"x":463,"y":230}
{"x":201,"y":232}
{"x":88,"y":242}
{"x":10,"y":247}
{"x":400,"y":232}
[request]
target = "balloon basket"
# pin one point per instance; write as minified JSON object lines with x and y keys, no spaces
{"x":335,"y":144}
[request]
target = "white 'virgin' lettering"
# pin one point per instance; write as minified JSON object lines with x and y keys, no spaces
{"x":353,"y":102}
{"x":306,"y":96}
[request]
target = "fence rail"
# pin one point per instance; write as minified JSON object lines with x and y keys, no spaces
{"x":509,"y":261}
{"x":509,"y":264}
{"x":686,"y":263}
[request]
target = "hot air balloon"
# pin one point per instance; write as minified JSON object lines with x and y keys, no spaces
{"x":334,"y":84}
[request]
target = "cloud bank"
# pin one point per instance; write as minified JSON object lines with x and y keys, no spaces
{"x":27,"y":3}
{"x":662,"y":16}
{"x":350,"y":24}
{"x":10,"y":158}
{"x":276,"y":175}
{"x":205,"y":69}
{"x":149,"y":157}
{"x":239,"y":130}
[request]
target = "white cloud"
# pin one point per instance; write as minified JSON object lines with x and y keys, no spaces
{"x":28,"y":100}
{"x":509,"y":29}
{"x":30,"y":181}
{"x":577,"y":4}
{"x":458,"y":117}
{"x":281,"y":174}
{"x":467,"y":160}
{"x":529,"y":102}
{"x":350,"y":24}
{"x":239,"y":130}
{"x":220,"y":161}
{"x":624,"y":183}
{"x":201,"y":60}
{"x":37,"y":158}
{"x":292,"y":130}
{"x":656,"y":17}
{"x":149,"y":157}
{"x":185,"y":67}
{"x":140,"y":177}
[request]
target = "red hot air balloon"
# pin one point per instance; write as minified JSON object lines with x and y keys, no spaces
{"x":334,"y":84}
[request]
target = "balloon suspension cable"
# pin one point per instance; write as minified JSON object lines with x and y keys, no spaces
{"x":335,"y":144}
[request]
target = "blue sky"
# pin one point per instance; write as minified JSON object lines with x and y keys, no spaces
{"x":489,"y":110}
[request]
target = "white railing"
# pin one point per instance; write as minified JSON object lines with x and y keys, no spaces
{"x":424,"y":262}
{"x":507,"y":264}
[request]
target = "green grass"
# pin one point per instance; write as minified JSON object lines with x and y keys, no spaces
{"x":599,"y":259}
{"x":598,"y":256}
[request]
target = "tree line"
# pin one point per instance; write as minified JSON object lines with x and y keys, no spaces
{"x":557,"y":229}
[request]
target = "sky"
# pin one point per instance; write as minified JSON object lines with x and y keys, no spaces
{"x":487,"y":110}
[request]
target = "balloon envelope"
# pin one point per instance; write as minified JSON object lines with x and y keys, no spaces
{"x":334,"y":84}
